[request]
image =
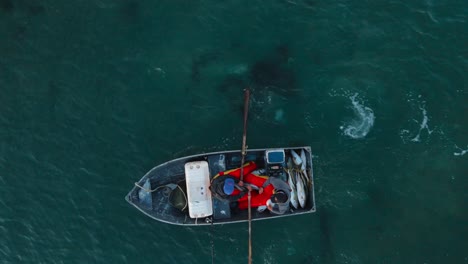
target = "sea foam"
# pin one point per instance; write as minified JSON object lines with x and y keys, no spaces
{"x":416,"y":133}
{"x":423,"y":124}
{"x":462,"y":151}
{"x":360,"y":126}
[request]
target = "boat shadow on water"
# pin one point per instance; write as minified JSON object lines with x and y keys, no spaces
{"x":327,"y":253}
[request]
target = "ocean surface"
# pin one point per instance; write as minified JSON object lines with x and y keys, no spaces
{"x":95,"y":93}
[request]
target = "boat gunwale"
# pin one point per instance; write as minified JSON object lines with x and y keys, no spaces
{"x":312,"y":210}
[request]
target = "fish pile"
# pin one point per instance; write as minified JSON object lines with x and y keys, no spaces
{"x":298,"y":179}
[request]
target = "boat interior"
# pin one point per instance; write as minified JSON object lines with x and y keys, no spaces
{"x":166,"y":193}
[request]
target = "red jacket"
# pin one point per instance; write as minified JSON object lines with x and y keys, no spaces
{"x":256,"y":198}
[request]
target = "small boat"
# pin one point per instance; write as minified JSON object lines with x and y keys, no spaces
{"x":178,"y":191}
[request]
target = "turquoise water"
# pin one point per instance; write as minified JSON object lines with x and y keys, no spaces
{"x":96,"y":93}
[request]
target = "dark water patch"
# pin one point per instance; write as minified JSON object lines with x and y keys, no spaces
{"x":200,"y":62}
{"x":29,"y":8}
{"x":235,"y":44}
{"x":9,"y":79}
{"x":326,"y":253}
{"x":16,"y":33}
{"x":273,"y":71}
{"x":230,"y":88}
{"x":309,"y":259}
{"x":377,"y":198}
{"x":271,"y":81}
{"x":232,"y":83}
{"x":131,"y":10}
{"x":53,"y":93}
{"x":383,"y":201}
{"x":19,"y":31}
{"x":6,"y":6}
{"x":316,"y":58}
{"x":309,"y":4}
{"x":282,"y":51}
{"x":35,"y":9}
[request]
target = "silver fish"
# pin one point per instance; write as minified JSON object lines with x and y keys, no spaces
{"x":304,"y":162}
{"x":301,"y":194}
{"x":304,"y":168}
{"x":293,"y":199}
{"x":297,"y":160}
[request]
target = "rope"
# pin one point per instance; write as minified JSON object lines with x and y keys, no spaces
{"x":250,"y":230}
{"x":212,"y":242}
{"x":148,"y":190}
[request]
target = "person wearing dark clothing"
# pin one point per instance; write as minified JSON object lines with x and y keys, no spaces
{"x":279,"y":200}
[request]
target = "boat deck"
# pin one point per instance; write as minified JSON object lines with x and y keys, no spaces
{"x":164,"y":178}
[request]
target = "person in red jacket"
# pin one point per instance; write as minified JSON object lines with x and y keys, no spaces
{"x":272,"y":192}
{"x":227,"y":185}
